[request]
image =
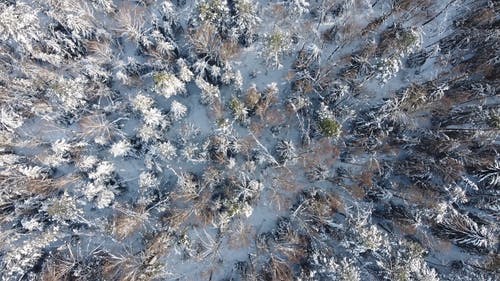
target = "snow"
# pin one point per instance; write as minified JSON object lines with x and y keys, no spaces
{"x":130,"y":124}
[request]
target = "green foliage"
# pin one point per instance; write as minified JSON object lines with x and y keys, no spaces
{"x":235,"y":104}
{"x":408,"y":39}
{"x":330,"y":127}
{"x":276,"y":41}
{"x":213,"y":11}
{"x":276,"y":44}
{"x":494,"y":120}
{"x":161,"y":78}
{"x":239,"y":110}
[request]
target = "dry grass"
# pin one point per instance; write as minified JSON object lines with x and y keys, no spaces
{"x":350,"y":29}
{"x":54,"y":272}
{"x":206,"y":41}
{"x":263,"y":106}
{"x":365,"y":178}
{"x":123,"y":268}
{"x":323,"y":209}
{"x":283,"y":188}
{"x":375,"y":24}
{"x":129,"y":266}
{"x":39,"y":186}
{"x":405,"y":228}
{"x":246,"y":144}
{"x":277,"y":270}
{"x":130,"y":21}
{"x":241,"y":234}
{"x":49,"y":186}
{"x":280,"y":199}
{"x":160,"y":244}
{"x":70,"y":264}
{"x":492,"y":262}
{"x":272,"y":117}
{"x":257,"y":128}
{"x":205,"y":211}
{"x":279,"y":11}
{"x":320,"y":152}
{"x":216,"y":111}
{"x":356,"y":191}
{"x":294,"y":247}
{"x":127,"y":222}
{"x":286,"y":180}
{"x":451,"y":169}
{"x":229,"y":50}
{"x":303,"y":85}
{"x":98,"y":128}
{"x":176,"y":217}
{"x":436,"y":244}
{"x":420,"y":196}
{"x":100,"y":49}
{"x":208,"y":246}
{"x":484,"y":17}
{"x":188,"y":188}
{"x":416,"y":11}
{"x":252,"y":97}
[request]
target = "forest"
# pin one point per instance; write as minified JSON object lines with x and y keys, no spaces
{"x":252,"y":140}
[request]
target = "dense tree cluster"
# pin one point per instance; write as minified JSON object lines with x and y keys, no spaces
{"x":249,"y":140}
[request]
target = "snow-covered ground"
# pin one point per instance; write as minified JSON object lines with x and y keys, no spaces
{"x":249,"y":140}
